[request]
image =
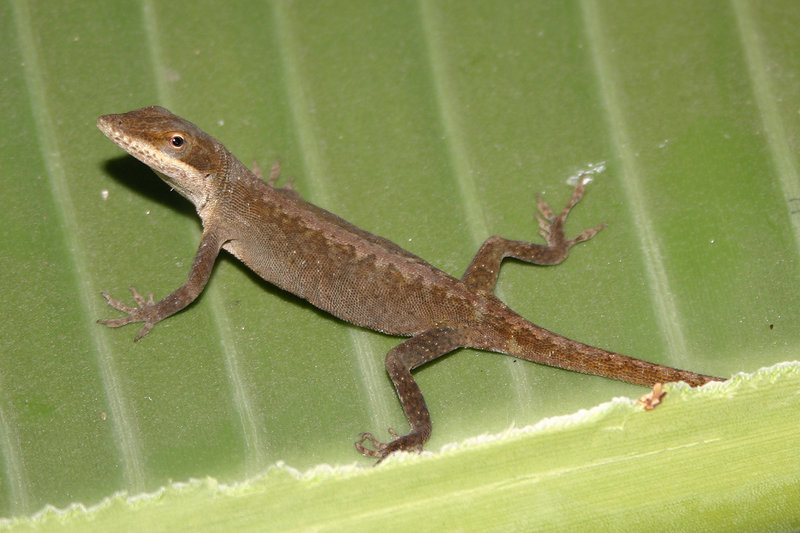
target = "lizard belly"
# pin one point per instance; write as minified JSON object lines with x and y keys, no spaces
{"x":364,"y":290}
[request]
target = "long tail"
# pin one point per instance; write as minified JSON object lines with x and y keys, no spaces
{"x":530,"y":342}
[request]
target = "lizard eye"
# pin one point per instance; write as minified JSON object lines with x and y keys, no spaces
{"x":177,"y":141}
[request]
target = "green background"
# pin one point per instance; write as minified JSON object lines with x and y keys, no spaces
{"x":434,"y":124}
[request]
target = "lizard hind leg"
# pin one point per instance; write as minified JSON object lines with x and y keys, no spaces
{"x":482,"y":272}
{"x":400,"y":361}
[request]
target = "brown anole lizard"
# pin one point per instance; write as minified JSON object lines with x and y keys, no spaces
{"x":357,"y":276}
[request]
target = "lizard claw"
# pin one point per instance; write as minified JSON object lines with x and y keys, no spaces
{"x":274,"y":173}
{"x":551,"y":227}
{"x":378,"y":445}
{"x":410,"y":442}
{"x":141,"y":313}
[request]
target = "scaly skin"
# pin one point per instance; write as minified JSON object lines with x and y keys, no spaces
{"x":355,"y":275}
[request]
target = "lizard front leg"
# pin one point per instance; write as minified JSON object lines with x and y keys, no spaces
{"x":151,"y":312}
{"x":400,"y":361}
{"x":482,"y":272}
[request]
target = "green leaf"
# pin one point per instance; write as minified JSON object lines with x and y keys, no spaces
{"x":686,"y":465}
{"x":434,"y":124}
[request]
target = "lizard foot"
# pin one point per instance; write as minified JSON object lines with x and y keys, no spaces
{"x":552,"y":227}
{"x":144,"y":312}
{"x":382,"y":450}
{"x":274,"y":174}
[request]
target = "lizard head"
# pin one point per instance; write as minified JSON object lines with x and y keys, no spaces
{"x":185,"y":157}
